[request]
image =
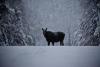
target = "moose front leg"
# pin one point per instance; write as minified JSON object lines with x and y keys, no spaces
{"x":48,"y":43}
{"x":53,"y":43}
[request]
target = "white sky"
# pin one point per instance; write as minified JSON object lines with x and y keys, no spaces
{"x":56,"y":15}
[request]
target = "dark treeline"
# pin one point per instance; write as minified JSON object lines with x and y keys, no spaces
{"x":13,"y":28}
{"x":90,"y":26}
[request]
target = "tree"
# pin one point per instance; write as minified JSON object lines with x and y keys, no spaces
{"x":90,"y":22}
{"x":12,"y":29}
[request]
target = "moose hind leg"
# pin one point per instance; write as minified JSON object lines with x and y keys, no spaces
{"x":61,"y":43}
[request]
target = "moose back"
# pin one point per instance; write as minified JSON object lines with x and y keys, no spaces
{"x":54,"y":37}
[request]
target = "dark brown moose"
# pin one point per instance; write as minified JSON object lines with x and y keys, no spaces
{"x":54,"y":37}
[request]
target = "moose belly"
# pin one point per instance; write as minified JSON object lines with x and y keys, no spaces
{"x":55,"y":39}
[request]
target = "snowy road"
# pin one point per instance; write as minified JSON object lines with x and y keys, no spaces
{"x":50,"y":56}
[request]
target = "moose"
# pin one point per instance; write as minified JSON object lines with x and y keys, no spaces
{"x":53,"y":37}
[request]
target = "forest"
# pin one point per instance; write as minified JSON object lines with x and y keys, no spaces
{"x":21,"y":21}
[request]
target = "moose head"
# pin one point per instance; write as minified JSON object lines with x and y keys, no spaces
{"x":44,"y":31}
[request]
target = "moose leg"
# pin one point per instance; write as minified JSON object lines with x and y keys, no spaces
{"x":61,"y":43}
{"x":48,"y":43}
{"x":53,"y":43}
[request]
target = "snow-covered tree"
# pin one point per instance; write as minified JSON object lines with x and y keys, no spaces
{"x":90,"y":23}
{"x":12,"y":24}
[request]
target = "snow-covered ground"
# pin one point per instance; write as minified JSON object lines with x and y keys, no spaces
{"x":50,"y":56}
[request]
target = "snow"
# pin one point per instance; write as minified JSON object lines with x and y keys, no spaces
{"x":50,"y":56}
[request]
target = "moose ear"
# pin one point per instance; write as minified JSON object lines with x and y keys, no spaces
{"x":46,"y":29}
{"x":42,"y":29}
